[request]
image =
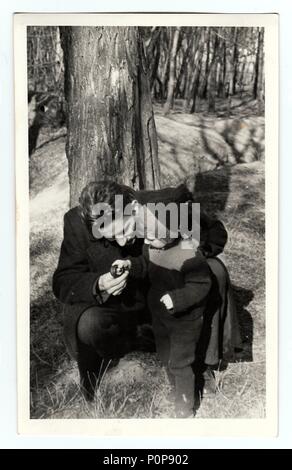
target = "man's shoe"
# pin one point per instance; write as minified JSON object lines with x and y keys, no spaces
{"x":90,"y":380}
{"x":210,"y":387}
{"x":88,"y":384}
{"x":184,"y":414}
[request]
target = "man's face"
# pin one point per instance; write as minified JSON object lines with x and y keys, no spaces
{"x":121,"y":230}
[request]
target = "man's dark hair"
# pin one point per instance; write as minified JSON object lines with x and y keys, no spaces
{"x":102,"y":191}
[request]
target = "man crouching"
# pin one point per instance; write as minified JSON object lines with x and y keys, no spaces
{"x":101,"y":312}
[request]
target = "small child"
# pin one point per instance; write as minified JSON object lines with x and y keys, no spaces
{"x":180,"y":281}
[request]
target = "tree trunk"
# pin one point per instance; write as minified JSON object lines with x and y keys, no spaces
{"x":235,"y":69}
{"x":212,"y":78}
{"x":164,"y":54}
{"x":172,"y":72}
{"x":203,"y":93}
{"x":154,"y":67}
{"x":153,"y":54}
{"x":259,"y":70}
{"x":233,"y":64}
{"x":196,"y":76}
{"x":242,"y":77}
{"x":179,"y":90}
{"x":111,"y":128}
{"x":190,"y":67}
{"x":222,"y":69}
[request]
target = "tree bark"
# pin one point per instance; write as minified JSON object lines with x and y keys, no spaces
{"x":181,"y":80}
{"x":153,"y":54}
{"x":259,"y":69}
{"x":111,"y":128}
{"x":172,"y":72}
{"x":204,"y":87}
{"x":233,"y":63}
{"x":154,"y":67}
{"x":222,"y":69}
{"x":212,"y":78}
{"x":190,"y":67}
{"x":242,"y":77}
{"x":196,"y":76}
{"x":165,"y":55}
{"x":182,"y":48}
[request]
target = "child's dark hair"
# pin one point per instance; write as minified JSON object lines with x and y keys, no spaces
{"x":180,"y":194}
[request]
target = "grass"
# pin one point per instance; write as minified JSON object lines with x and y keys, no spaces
{"x":138,"y":387}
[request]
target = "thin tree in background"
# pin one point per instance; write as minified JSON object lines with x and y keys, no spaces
{"x":221,"y":70}
{"x":203,"y":93}
{"x":258,"y":90}
{"x":232,"y":62}
{"x":166,"y":37}
{"x":111,"y":128}
{"x":152,"y":44}
{"x":172,"y":71}
{"x":212,"y":76}
{"x":185,"y":50}
{"x":196,"y":75}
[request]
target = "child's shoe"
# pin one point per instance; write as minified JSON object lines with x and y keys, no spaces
{"x":210,"y":386}
{"x":184,"y":407}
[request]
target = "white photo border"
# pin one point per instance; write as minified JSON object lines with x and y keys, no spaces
{"x":265,"y":427}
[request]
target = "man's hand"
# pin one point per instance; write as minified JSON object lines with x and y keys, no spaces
{"x":120,"y":266}
{"x":111,"y":285}
{"x":167,"y":301}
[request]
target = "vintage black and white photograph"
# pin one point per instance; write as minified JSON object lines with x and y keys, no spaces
{"x":128,"y":322}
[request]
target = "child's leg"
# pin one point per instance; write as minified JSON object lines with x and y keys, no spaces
{"x":183,"y":341}
{"x":162,"y":340}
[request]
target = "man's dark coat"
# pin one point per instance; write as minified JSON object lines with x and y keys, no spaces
{"x":83,"y":259}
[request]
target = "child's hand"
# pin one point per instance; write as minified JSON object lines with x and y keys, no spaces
{"x":167,"y":301}
{"x":120,"y":266}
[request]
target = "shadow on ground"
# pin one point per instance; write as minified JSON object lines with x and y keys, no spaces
{"x":242,"y":299}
